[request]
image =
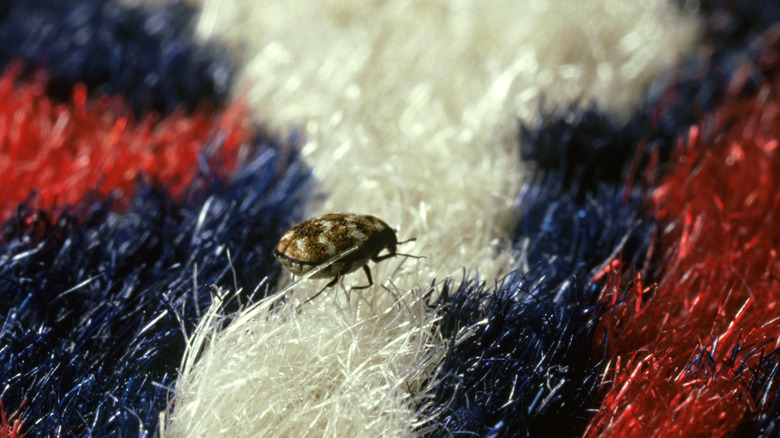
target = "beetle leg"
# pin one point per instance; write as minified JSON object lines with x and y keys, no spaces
{"x":377,"y":258}
{"x":331,"y":283}
{"x":370,"y":281}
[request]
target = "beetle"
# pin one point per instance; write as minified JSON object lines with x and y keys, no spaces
{"x":315,"y":241}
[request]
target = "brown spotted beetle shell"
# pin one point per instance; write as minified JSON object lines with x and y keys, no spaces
{"x":315,"y":241}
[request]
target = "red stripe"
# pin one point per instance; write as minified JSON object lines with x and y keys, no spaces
{"x":66,"y":150}
{"x":11,"y":425}
{"x":719,"y":213}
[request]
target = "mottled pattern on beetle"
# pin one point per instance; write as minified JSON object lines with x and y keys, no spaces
{"x":317,"y":240}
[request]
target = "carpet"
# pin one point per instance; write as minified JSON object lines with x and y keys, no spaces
{"x":591,"y":186}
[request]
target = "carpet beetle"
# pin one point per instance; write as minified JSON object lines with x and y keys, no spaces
{"x":315,"y":241}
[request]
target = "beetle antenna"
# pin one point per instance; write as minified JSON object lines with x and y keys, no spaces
{"x":407,"y":241}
